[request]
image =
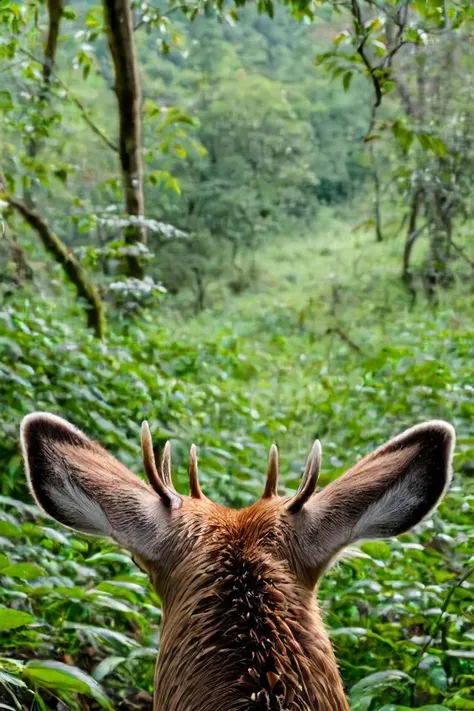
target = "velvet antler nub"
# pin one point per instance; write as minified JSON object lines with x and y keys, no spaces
{"x":309,"y":480}
{"x":194,"y":486}
{"x":159,"y":482}
{"x":271,"y":486}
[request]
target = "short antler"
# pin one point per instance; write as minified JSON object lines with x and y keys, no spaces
{"x":161,"y":483}
{"x":166,"y":466}
{"x":309,"y":480}
{"x":194,"y":487}
{"x":271,"y":486}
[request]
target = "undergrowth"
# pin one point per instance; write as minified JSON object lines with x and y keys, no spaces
{"x":306,"y":353}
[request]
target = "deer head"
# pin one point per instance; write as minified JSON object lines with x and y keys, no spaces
{"x":241,"y":628}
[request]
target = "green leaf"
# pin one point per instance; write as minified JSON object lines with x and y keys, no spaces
{"x":380,"y":550}
{"x":346,"y":80}
{"x":438,"y":677}
{"x":180,"y":151}
{"x":438,"y":146}
{"x":174,"y":116}
{"x":26,"y":571}
{"x":432,"y":707}
{"x":388,"y":86}
{"x":461,"y":653}
{"x":107,"y":666}
{"x":11,"y":619}
{"x":378,"y":680}
{"x":9,"y":680}
{"x":413,"y":34}
{"x":9,"y":530}
{"x":374,"y":24}
{"x":61,"y":677}
{"x":424,"y":139}
{"x":69,"y":14}
{"x":340,"y":38}
{"x":102,"y":632}
{"x":404,"y":135}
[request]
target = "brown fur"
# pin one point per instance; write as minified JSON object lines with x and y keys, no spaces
{"x":240,"y":631}
{"x":241,"y":627}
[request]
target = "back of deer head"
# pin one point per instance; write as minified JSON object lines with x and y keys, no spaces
{"x":241,"y":628}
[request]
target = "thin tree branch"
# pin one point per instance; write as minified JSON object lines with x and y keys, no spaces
{"x":73,"y":269}
{"x":462,"y":252}
{"x":78,"y":104}
{"x":159,"y":13}
{"x":113,"y":146}
{"x":55,"y":11}
{"x":344,"y":337}
{"x":359,"y":29}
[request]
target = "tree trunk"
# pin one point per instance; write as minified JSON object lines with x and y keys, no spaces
{"x":200,"y":291}
{"x":23,"y":271}
{"x":71,"y":266}
{"x":412,"y":236}
{"x":121,"y":38}
{"x":55,"y":11}
{"x":377,"y":201}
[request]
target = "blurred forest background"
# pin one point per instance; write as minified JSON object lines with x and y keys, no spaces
{"x":246,"y":223}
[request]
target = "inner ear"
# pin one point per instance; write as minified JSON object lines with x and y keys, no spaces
{"x":388,"y":492}
{"x":78,"y":483}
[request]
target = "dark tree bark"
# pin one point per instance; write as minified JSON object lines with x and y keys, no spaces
{"x":121,"y":38}
{"x":23,"y":271}
{"x":412,"y":235}
{"x":55,"y":11}
{"x":377,"y":197}
{"x":72,"y":267}
{"x":200,"y":291}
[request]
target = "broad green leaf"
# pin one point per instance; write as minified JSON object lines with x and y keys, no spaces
{"x":424,"y":139}
{"x":11,"y":619}
{"x":346,"y":80}
{"x":6,"y":103}
{"x":438,"y":146}
{"x":380,"y":550}
{"x":103,"y":633}
{"x":61,"y":677}
{"x":10,"y":680}
{"x":106,"y":666}
{"x":26,"y":571}
{"x":431,"y":707}
{"x":378,"y":680}
{"x":9,"y":530}
{"x":404,"y":135}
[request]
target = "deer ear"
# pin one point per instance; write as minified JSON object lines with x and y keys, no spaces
{"x":386,"y":493}
{"x":74,"y":480}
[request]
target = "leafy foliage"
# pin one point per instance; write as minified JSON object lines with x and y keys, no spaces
{"x":246,"y":143}
{"x":79,"y":621}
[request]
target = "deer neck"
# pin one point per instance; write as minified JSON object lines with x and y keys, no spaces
{"x":243,"y":635}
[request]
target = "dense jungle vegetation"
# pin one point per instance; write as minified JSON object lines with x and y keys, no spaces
{"x":248,"y":224}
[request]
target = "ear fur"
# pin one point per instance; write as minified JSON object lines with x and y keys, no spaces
{"x":75,"y":481}
{"x":388,"y":492}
